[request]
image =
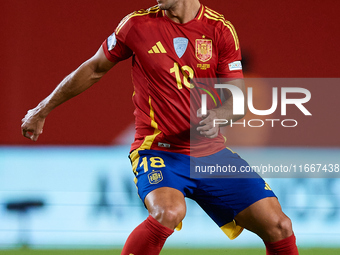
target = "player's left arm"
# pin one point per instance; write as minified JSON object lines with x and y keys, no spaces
{"x":207,"y":126}
{"x":229,"y":69}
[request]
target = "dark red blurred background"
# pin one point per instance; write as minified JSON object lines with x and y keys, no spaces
{"x":43,"y":41}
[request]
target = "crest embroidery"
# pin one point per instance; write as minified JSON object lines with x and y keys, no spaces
{"x":203,"y":49}
{"x":155,"y":177}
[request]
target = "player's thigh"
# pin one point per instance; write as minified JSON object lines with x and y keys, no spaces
{"x":162,"y":180}
{"x":266,"y":219}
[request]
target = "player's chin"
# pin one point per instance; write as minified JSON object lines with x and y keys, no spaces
{"x":161,"y":5}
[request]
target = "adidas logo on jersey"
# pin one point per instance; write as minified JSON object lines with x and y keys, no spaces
{"x":158,"y":48}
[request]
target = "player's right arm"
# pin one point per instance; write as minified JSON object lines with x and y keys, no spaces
{"x":88,"y":73}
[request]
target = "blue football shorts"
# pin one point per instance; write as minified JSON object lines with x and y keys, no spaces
{"x":221,"y":193}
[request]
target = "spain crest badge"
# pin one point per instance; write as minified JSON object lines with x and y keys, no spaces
{"x":203,"y":49}
{"x":155,"y":177}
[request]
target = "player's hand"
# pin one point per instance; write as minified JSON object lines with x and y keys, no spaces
{"x":207,"y":127}
{"x":32,"y":125}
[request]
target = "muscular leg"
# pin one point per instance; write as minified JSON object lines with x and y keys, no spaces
{"x":167,"y":209}
{"x":167,"y":206}
{"x":266,"y":219}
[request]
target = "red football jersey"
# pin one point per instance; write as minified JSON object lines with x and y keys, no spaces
{"x":167,"y":57}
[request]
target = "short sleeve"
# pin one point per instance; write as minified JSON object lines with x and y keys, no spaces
{"x":114,"y":46}
{"x":229,"y":57}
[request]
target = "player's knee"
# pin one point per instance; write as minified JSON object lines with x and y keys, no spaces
{"x":285,"y":226}
{"x":170,"y":216}
{"x":281,"y":228}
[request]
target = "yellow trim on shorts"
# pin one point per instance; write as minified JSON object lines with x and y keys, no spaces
{"x":232,"y":230}
{"x":179,"y":226}
{"x":231,"y":150}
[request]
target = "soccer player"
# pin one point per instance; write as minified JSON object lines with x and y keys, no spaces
{"x":171,"y":44}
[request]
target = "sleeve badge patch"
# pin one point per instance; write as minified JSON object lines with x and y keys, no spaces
{"x":111,"y":42}
{"x":235,"y":66}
